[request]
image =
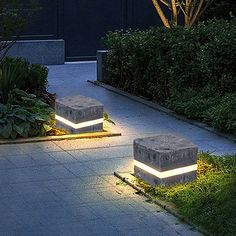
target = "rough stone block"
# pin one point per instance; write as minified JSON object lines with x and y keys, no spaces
{"x":79,"y":114}
{"x":165,"y":160}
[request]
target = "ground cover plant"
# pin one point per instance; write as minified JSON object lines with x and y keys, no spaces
{"x":25,"y":115}
{"x":26,"y":109}
{"x":19,"y":73}
{"x":190,"y":70}
{"x":210,"y":201}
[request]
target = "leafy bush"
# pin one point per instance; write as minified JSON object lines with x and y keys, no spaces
{"x":18,"y":73}
{"x":10,"y":77}
{"x":135,"y":62}
{"x":222,"y":116}
{"x":191,"y":70}
{"x":193,"y":103}
{"x":31,"y":103}
{"x":15,"y":120}
{"x":203,"y":56}
{"x":217,"y":110}
{"x":211,"y":200}
{"x":37,"y":79}
{"x":220,"y":9}
{"x":24,"y":115}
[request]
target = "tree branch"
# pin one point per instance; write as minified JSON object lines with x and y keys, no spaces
{"x":209,"y":2}
{"x":192,"y":8}
{"x":161,"y":14}
{"x":174,"y":12}
{"x":165,"y":2}
{"x":197,"y":12}
{"x":186,"y":17}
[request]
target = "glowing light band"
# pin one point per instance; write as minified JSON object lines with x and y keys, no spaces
{"x":79,"y":125}
{"x":165,"y":174}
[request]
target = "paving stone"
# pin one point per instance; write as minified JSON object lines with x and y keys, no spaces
{"x":29,"y":187}
{"x":106,"y":209}
{"x":42,"y":159}
{"x":79,"y":169}
{"x":93,"y":182}
{"x":13,"y":176}
{"x":139,"y":231}
{"x":6,"y":164}
{"x":111,"y":193}
{"x":53,"y":186}
{"x":10,"y":150}
{"x":110,"y":166}
{"x":107,"y":153}
{"x":30,"y":148}
{"x":22,"y":160}
{"x":62,"y":157}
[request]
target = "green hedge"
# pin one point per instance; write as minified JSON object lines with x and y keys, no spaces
{"x":192,"y":71}
{"x":220,"y":9}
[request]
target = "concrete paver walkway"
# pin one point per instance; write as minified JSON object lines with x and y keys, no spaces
{"x":46,"y":190}
{"x":132,"y":118}
{"x":68,"y":187}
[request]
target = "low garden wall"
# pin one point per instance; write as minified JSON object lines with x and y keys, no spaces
{"x":45,"y":52}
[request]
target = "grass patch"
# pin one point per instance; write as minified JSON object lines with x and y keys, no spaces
{"x":210,"y":201}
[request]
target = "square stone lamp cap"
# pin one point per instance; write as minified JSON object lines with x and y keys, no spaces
{"x":165,"y":159}
{"x":79,"y":114}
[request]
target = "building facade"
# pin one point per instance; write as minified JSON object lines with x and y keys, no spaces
{"x":83,"y":23}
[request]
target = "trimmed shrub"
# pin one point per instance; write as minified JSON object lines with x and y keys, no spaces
{"x":191,"y":70}
{"x":220,"y":9}
{"x":222,"y":115}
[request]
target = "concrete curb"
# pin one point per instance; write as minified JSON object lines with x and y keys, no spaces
{"x":165,"y":205}
{"x":162,"y":109}
{"x":103,"y":134}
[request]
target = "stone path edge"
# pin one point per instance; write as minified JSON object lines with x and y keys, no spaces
{"x":163,"y":204}
{"x":103,"y":134}
{"x":162,"y":109}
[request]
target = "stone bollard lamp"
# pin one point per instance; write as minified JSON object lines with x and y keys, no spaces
{"x":79,"y":114}
{"x":165,"y":160}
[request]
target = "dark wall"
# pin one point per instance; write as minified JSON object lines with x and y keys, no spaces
{"x":82,"y":23}
{"x":44,"y":22}
{"x":86,"y":21}
{"x":144,"y":14}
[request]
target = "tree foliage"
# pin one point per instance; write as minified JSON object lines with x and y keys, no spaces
{"x":14,"y":15}
{"x":191,"y":9}
{"x":220,"y":9}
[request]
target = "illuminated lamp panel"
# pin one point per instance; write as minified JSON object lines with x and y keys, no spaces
{"x":165,"y":160}
{"x":79,"y":114}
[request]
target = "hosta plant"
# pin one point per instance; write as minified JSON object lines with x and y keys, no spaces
{"x":24,"y":116}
